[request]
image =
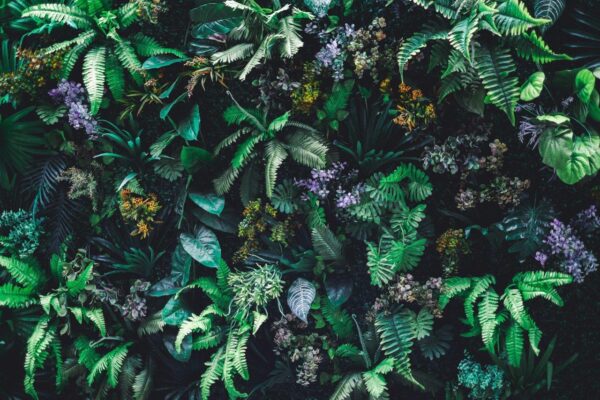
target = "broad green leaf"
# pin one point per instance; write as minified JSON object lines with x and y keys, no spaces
{"x":209,"y":202}
{"x":189,"y":127}
{"x":173,"y":312}
{"x":204,"y":247}
{"x":575,"y":169}
{"x":584,"y":84}
{"x":556,"y":146}
{"x":338,"y":290}
{"x":192,"y":157}
{"x":186,"y":347}
{"x":533,"y":86}
{"x":161,"y":61}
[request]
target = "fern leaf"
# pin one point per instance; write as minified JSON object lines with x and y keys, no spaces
{"x":346,"y":386}
{"x":494,"y":68}
{"x":413,"y":45}
{"x":326,"y":243}
{"x":544,"y":278}
{"x":514,"y":344}
{"x":291,"y":40}
{"x":461,"y":35}
{"x":212,"y":373}
{"x":94,"y":68}
{"x":514,"y":19}
{"x":532,"y":47}
{"x":487,"y":318}
{"x":59,"y":13}
{"x":12,"y":296}
{"x":375,"y":383}
{"x":26,"y":272}
{"x":147,"y":46}
{"x":239,"y":361}
{"x":275,"y":155}
{"x":193,"y":323}
{"x":307,"y":149}
{"x":78,"y":284}
{"x":82,"y":38}
{"x":129,"y":60}
{"x":97,"y":317}
{"x":115,"y":77}
{"x":381,"y":269}
{"x":480,"y":286}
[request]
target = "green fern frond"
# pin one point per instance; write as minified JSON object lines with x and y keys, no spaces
{"x":414,"y":44}
{"x":147,"y":46}
{"x":514,"y":19}
{"x":70,"y":59}
{"x":488,"y":306}
{"x":25,"y":272}
{"x":94,"y":69}
{"x":461,"y":35}
{"x":514,"y":344}
{"x":478,"y":288}
{"x":326,"y":244}
{"x":110,"y":363}
{"x":346,"y":386}
{"x":275,"y":155}
{"x":84,"y":37}
{"x":59,"y":13}
{"x":307,"y":149}
{"x":532,"y":47}
{"x":291,"y":41}
{"x":126,"y":55}
{"x":97,"y":317}
{"x":190,"y":325}
{"x":12,"y":296}
{"x":495,"y":68}
{"x":213,"y":372}
{"x":79,"y":284}
{"x":115,"y":78}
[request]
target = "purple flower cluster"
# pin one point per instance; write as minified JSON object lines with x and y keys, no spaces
{"x":333,"y":54}
{"x":345,"y":199}
{"x":572,"y":255}
{"x":587,"y":222}
{"x":72,"y":95}
{"x":324,"y":182}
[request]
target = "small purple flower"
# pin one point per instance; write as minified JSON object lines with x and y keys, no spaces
{"x":541,"y":258}
{"x":72,"y":95}
{"x":573,"y":257}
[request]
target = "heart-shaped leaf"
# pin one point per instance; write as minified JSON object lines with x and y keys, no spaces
{"x":584,"y":84}
{"x":204,"y":247}
{"x":533,"y":86}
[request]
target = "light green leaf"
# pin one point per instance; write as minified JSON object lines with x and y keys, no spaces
{"x":584,"y":85}
{"x":533,"y":86}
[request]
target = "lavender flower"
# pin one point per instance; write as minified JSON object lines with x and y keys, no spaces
{"x":573,"y":257}
{"x":345,"y":199}
{"x":72,"y":95}
{"x":587,"y":222}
